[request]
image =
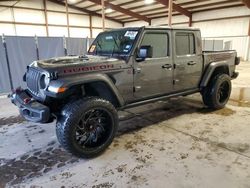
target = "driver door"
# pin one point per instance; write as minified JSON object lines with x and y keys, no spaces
{"x":154,"y":74}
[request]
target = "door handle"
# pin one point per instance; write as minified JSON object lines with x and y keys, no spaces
{"x":191,"y":63}
{"x":167,"y":66}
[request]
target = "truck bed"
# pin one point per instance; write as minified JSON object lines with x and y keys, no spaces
{"x":225,"y":56}
{"x":213,"y":56}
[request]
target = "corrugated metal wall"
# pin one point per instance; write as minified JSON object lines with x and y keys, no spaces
{"x":21,"y":51}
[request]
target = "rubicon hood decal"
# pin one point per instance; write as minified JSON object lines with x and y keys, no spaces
{"x":87,"y":68}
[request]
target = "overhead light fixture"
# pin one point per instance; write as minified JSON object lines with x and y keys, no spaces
{"x":148,"y":2}
{"x":72,"y":1}
{"x":108,"y":10}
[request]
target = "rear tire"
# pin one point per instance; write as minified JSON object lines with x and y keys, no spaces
{"x":217,"y":92}
{"x":87,"y":127}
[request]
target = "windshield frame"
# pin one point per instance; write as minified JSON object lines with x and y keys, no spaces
{"x":114,"y":53}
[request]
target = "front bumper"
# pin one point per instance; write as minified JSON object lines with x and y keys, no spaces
{"x":29,"y":108}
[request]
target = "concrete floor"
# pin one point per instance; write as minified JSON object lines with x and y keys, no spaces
{"x":176,"y":143}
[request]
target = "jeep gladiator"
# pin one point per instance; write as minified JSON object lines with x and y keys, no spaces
{"x":123,"y":68}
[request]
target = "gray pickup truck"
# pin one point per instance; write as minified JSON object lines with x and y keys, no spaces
{"x":123,"y":68}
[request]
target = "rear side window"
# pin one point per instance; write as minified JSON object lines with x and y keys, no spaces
{"x":185,"y":43}
{"x":159,"y":43}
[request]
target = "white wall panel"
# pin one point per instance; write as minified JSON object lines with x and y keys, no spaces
{"x":159,"y":21}
{"x":57,"y":18}
{"x":230,"y":27}
{"x":58,"y":31}
{"x":31,"y":16}
{"x":175,"y":19}
{"x":221,"y":13}
{"x":79,"y":20}
{"x":30,"y":30}
{"x":6,"y":15}
{"x":7,"y":29}
{"x":75,"y":11}
{"x":136,"y":24}
{"x":111,"y":24}
{"x":8,"y":3}
{"x":54,"y":6}
{"x":96,"y":21}
{"x":33,"y":4}
{"x":181,"y":25}
{"x":79,"y":32}
{"x":96,"y":32}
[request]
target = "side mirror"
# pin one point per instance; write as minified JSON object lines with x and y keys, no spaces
{"x":144,"y":52}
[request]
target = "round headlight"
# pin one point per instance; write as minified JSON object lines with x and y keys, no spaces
{"x":44,"y":81}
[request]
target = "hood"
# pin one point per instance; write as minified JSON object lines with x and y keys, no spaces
{"x":77,"y":64}
{"x":72,"y":60}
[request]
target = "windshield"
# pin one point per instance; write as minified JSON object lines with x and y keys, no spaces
{"x":114,"y":43}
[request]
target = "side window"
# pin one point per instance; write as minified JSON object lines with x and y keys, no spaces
{"x":158,"y":42}
{"x":185,"y":43}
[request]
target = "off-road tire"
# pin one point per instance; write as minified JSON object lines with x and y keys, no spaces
{"x":68,"y":124}
{"x":211,"y":94}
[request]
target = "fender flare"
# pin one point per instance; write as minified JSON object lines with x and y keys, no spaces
{"x":210,"y":70}
{"x":87,"y":78}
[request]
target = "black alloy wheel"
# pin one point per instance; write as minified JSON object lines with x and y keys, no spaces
{"x":87,"y":127}
{"x":217,"y":93}
{"x":93,"y":128}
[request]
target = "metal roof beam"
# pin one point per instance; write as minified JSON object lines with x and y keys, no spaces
{"x":246,"y":2}
{"x":177,"y":8}
{"x":84,"y":10}
{"x":122,"y":10}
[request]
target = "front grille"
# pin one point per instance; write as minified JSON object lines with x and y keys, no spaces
{"x":32,"y":79}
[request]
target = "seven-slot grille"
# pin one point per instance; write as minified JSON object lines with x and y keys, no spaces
{"x":33,"y":78}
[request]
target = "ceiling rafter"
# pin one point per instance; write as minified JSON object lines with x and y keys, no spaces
{"x":95,"y":5}
{"x":156,"y":3}
{"x":84,"y":10}
{"x":246,"y":2}
{"x":79,"y":2}
{"x":122,"y":10}
{"x":162,"y":9}
{"x":224,"y":3}
{"x":221,"y":7}
{"x":177,"y":8}
{"x":195,"y":11}
{"x":132,"y":2}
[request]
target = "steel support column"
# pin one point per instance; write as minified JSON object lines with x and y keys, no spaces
{"x":103,"y":16}
{"x":67,"y":14}
{"x":46,"y":16}
{"x":170,"y":9}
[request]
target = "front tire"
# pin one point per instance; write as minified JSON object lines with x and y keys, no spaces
{"x":217,"y":93}
{"x":87,"y":127}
